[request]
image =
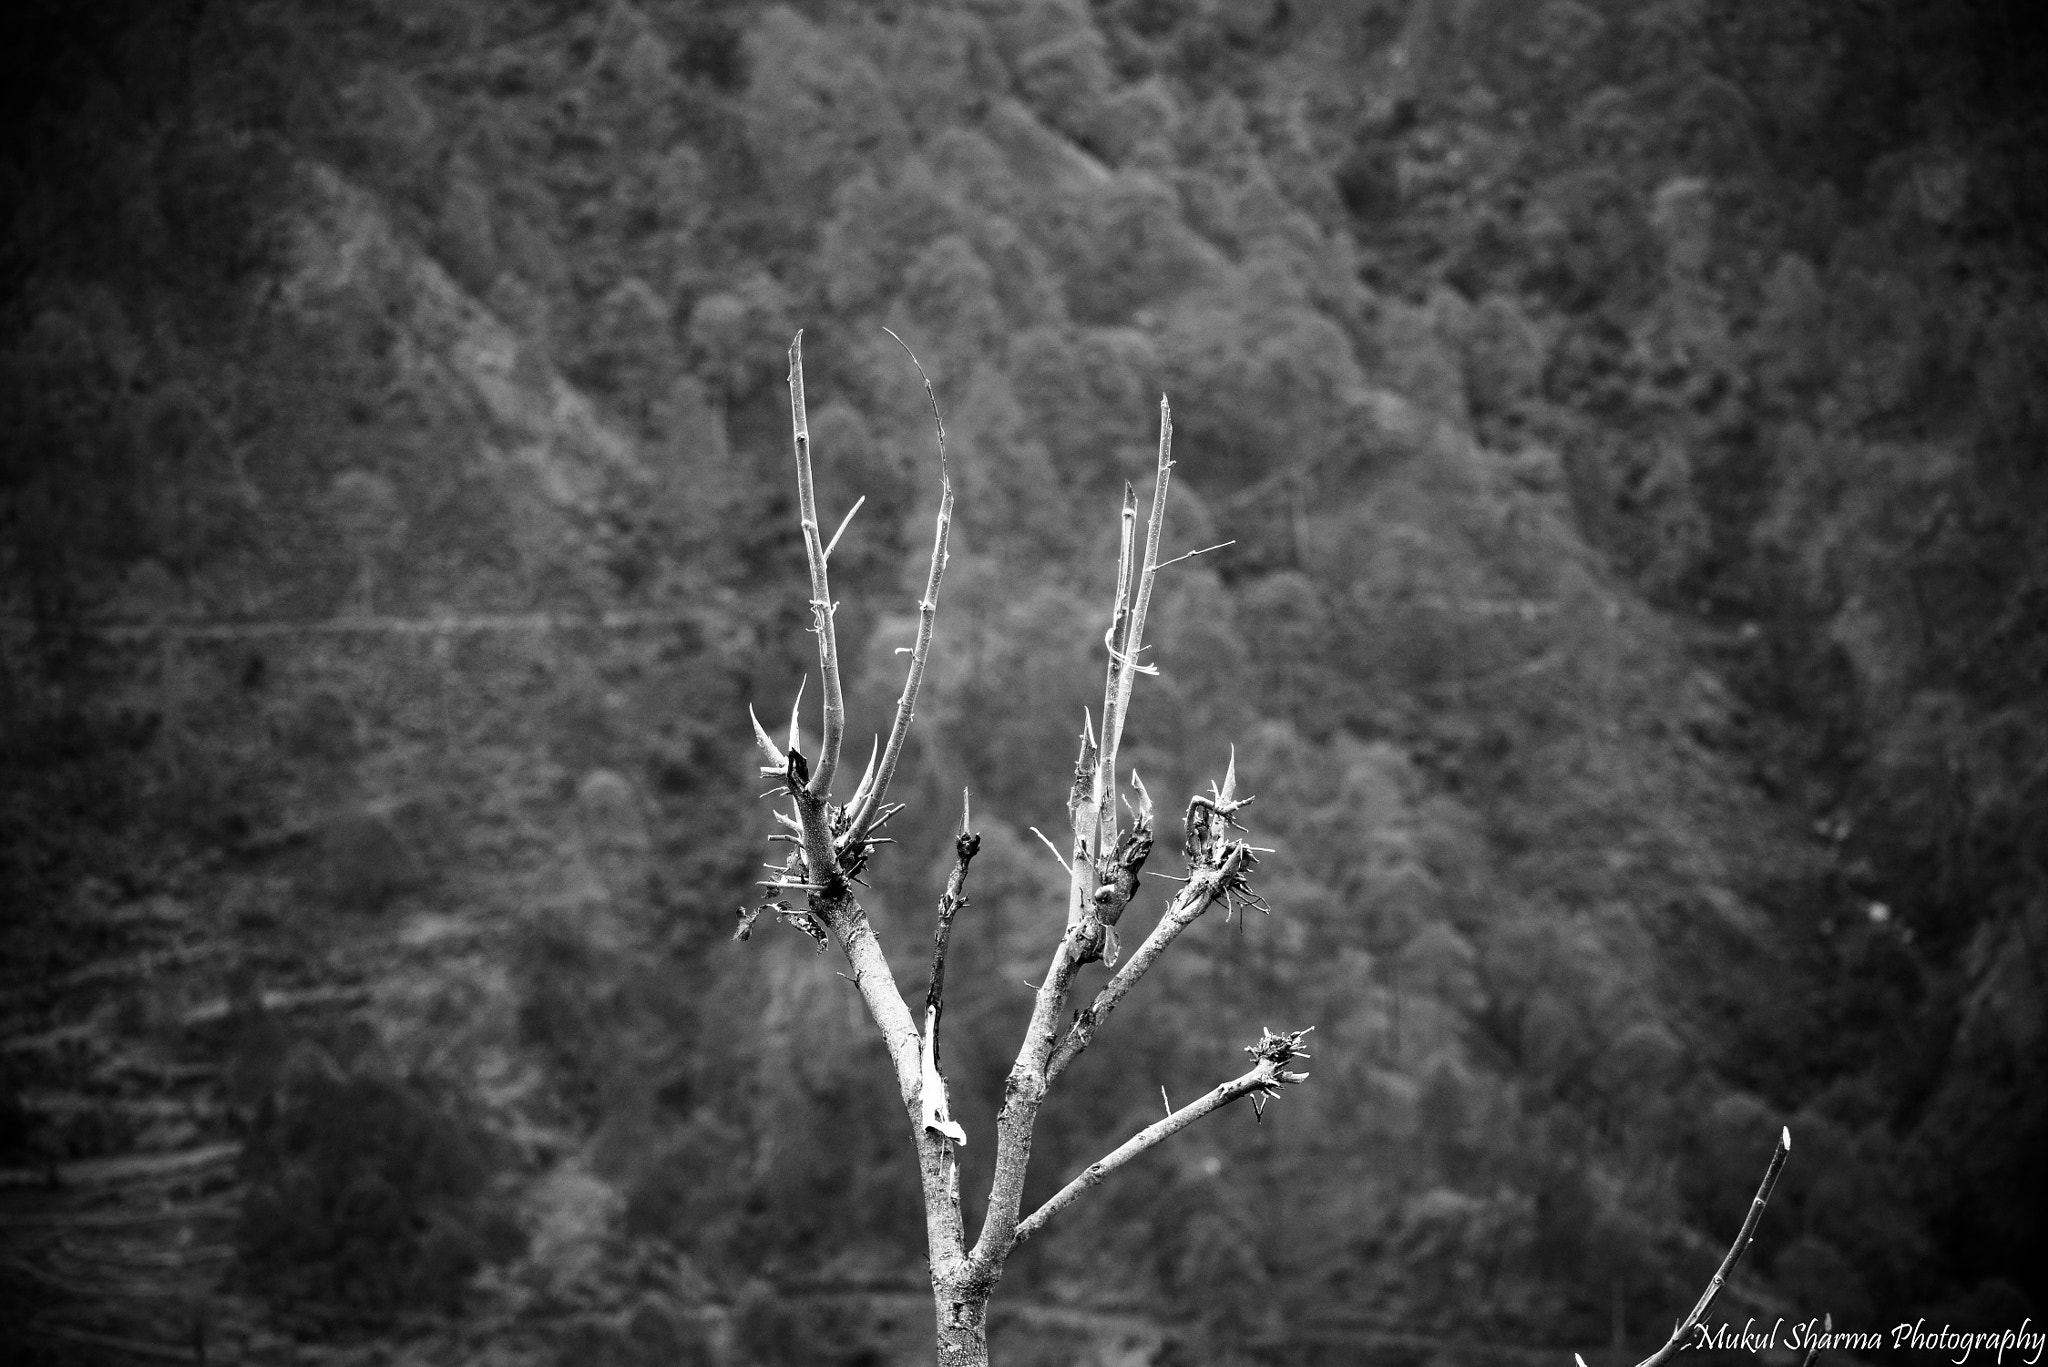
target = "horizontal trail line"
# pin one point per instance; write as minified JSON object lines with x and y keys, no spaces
{"x":471,"y":624}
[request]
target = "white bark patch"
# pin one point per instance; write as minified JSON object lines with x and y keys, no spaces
{"x":932,"y":1093}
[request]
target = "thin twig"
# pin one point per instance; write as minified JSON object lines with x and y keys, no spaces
{"x":927,"y":611}
{"x":1054,"y":848}
{"x":833,"y":544}
{"x":965,"y":846}
{"x":1685,"y":1326}
{"x":1827,"y":1331}
{"x":1185,"y":555}
{"x":867,"y":776}
{"x":1118,"y":640}
{"x":1099,"y":813}
{"x":821,"y":589}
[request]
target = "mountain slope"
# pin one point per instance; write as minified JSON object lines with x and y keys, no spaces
{"x":397,"y":527}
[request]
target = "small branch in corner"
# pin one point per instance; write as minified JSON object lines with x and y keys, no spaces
{"x":1684,"y":1328}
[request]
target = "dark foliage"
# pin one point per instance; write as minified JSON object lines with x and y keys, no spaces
{"x":366,"y":1196}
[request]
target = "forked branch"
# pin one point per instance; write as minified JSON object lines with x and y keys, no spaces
{"x":834,"y":841}
{"x":1104,"y":876}
{"x":1209,"y":883}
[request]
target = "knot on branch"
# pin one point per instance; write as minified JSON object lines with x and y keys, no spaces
{"x":1118,"y":874}
{"x":1117,"y":883}
{"x":1210,"y":818}
{"x":1273,"y":1053}
{"x":1207,"y":824}
{"x":790,"y":878}
{"x":1280,"y":1049}
{"x":1091,"y":939}
{"x":1213,"y":857}
{"x":854,"y":849}
{"x":1231,"y":868}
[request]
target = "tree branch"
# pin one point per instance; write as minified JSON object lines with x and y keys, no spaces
{"x":1024,"y":1089}
{"x":1023,"y":1093}
{"x":821,"y":589}
{"x":938,"y":1167}
{"x":1123,"y":673}
{"x":877,"y":985}
{"x":1827,"y":1330}
{"x":965,"y":846}
{"x":1121,"y":654}
{"x":862,"y":819}
{"x":1205,"y":886}
{"x":936,"y":1111}
{"x":830,"y":908}
{"x":844,"y":522}
{"x":1092,"y":906}
{"x":1184,"y":555}
{"x":834,"y":840}
{"x":1685,"y":1326}
{"x":1084,"y":802}
{"x":1273,"y":1052}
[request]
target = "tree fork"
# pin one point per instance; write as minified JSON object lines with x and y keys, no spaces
{"x":834,"y":841}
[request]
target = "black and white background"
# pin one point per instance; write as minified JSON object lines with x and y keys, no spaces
{"x":1630,"y":418}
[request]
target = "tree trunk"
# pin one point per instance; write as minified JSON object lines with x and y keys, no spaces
{"x":963,"y":1326}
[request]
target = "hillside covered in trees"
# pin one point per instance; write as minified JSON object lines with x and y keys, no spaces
{"x":1629,"y":416}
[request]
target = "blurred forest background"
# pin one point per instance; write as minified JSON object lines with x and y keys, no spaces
{"x":1630,"y":414}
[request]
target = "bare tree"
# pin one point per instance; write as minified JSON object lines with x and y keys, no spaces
{"x":835,"y":840}
{"x":1684,"y":1329}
